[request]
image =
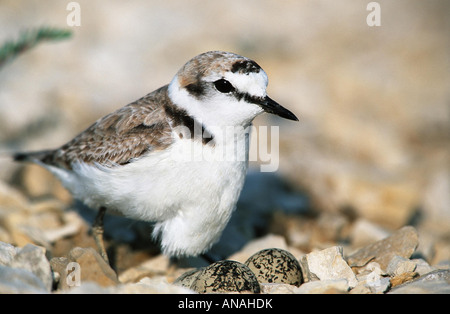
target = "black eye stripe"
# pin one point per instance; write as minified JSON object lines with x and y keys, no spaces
{"x":223,"y":86}
{"x":248,"y":98}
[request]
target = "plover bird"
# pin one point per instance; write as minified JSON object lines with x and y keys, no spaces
{"x":129,"y":161}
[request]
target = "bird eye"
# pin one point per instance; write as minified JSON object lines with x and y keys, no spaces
{"x":223,"y":86}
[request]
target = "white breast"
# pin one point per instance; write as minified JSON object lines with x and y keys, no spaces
{"x":191,"y":199}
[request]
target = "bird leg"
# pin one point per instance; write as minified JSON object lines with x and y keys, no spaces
{"x":97,"y":232}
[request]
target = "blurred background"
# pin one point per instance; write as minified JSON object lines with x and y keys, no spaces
{"x":369,"y":155}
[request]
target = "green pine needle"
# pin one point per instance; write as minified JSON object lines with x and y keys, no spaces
{"x":28,"y":39}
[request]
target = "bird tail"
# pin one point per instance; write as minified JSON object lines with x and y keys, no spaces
{"x":31,"y":156}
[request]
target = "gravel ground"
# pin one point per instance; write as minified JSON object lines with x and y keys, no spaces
{"x":361,"y":196}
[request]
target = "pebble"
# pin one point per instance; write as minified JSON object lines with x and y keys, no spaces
{"x":401,"y":243}
{"x":20,"y":281}
{"x":24,"y":269}
{"x":371,"y":284}
{"x":277,"y":288}
{"x":33,"y":259}
{"x":371,"y":279}
{"x":400,"y":265}
{"x":7,"y":253}
{"x":402,"y":278}
{"x":275,"y":266}
{"x":422,"y":267}
{"x":91,"y":265}
{"x":436,"y":282}
{"x":328,"y":264}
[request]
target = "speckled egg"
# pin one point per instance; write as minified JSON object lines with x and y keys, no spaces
{"x":275,"y":266}
{"x":188,"y":278}
{"x":226,"y":276}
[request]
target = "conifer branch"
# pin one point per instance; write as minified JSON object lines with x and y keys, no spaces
{"x":28,"y":39}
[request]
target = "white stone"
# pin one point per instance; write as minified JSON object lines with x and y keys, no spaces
{"x":371,"y":283}
{"x":329,"y":264}
{"x":7,"y":253}
{"x":32,"y":258}
{"x":277,"y":288}
{"x":400,"y":265}
{"x":20,"y":281}
{"x":422,"y":267}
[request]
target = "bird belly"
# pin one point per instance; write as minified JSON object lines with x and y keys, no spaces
{"x":190,"y":197}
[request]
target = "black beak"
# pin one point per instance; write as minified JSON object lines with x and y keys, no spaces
{"x":271,"y":106}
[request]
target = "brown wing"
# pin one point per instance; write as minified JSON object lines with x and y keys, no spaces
{"x":120,"y":137}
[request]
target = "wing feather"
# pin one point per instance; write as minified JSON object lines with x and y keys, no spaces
{"x":118,"y":138}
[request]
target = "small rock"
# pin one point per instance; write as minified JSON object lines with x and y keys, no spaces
{"x":380,"y":285}
{"x":7,"y":253}
{"x":93,"y":267}
{"x":275,"y":266}
{"x":422,"y":267}
{"x":323,"y":287}
{"x":402,"y":243}
{"x":400,"y":265}
{"x":61,"y":270}
{"x":32,"y":258}
{"x":371,"y":280}
{"x":328,"y":264}
{"x":277,"y":288}
{"x":402,"y":278}
{"x":224,"y":277}
{"x":20,"y":281}
{"x":436,"y":282}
